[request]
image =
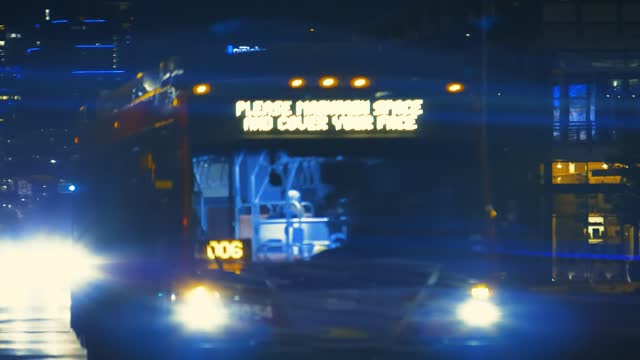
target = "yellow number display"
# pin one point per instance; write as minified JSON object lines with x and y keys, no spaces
{"x":225,"y":249}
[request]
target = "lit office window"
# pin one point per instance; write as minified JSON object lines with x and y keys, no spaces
{"x":568,"y":173}
{"x":595,"y":229}
{"x":577,"y":130}
{"x":579,"y":124}
{"x":600,"y":173}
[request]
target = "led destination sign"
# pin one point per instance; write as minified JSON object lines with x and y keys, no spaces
{"x":323,"y":116}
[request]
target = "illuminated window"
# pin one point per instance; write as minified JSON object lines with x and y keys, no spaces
{"x":556,"y":112}
{"x":563,"y":172}
{"x":595,"y":229}
{"x":568,"y":173}
{"x":580,"y":120}
{"x":600,"y":173}
{"x":577,"y":130}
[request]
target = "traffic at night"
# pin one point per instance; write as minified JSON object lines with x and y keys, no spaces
{"x":431,"y":179}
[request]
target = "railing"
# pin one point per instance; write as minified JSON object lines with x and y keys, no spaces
{"x":296,"y":173}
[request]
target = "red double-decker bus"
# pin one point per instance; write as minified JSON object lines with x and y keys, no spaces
{"x":215,"y":158}
{"x":239,"y":155}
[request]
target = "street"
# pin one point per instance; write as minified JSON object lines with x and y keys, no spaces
{"x":34,"y":324}
{"x":37,"y":329}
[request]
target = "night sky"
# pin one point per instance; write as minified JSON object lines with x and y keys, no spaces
{"x":181,"y":14}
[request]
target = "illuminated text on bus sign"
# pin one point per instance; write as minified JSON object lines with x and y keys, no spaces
{"x":225,"y":249}
{"x":318,"y":116}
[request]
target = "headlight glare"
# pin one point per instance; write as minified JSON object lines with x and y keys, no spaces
{"x":480,"y":292}
{"x":478,"y":313}
{"x":201,"y":309}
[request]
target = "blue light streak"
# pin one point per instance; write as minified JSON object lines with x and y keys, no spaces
{"x":98,"y":72}
{"x":30,"y":50}
{"x":59,"y":21}
{"x":94,"y":21}
{"x":94,"y":46}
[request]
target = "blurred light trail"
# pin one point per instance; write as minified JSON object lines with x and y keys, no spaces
{"x":94,"y":46}
{"x":98,"y":72}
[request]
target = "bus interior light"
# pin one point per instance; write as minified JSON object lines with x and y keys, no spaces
{"x":202,"y":89}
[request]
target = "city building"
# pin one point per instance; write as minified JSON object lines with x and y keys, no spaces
{"x":11,"y":92}
{"x":595,"y":93}
{"x":74,"y":54}
{"x":48,"y":71}
{"x":82,"y":43}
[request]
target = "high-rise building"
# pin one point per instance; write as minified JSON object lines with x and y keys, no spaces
{"x":70,"y":54}
{"x":11,"y":49}
{"x":73,"y":55}
{"x":85,"y":43}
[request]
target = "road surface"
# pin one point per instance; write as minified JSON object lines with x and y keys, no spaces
{"x":35,"y":325}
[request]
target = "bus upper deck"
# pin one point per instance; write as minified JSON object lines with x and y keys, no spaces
{"x":276,"y":166}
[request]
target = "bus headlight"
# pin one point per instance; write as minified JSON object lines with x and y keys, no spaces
{"x":478,"y":313}
{"x":480,"y":292}
{"x":200,"y":309}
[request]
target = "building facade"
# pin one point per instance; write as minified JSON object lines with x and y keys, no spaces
{"x":48,"y":71}
{"x":595,"y":99}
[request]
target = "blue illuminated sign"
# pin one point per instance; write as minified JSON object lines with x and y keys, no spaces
{"x":233,"y":50}
{"x":94,"y":21}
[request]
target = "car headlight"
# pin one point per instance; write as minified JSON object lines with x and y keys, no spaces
{"x":480,"y":292}
{"x":200,"y":309}
{"x":478,"y":313}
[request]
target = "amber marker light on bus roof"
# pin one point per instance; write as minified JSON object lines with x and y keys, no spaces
{"x":202,"y":89}
{"x":328,"y":82}
{"x":296,"y":83}
{"x":360,"y":82}
{"x":455,"y":87}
